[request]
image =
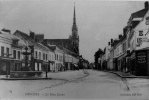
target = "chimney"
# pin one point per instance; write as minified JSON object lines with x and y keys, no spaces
{"x":124,"y":31}
{"x":39,"y":37}
{"x":32,"y":35}
{"x":111,"y":40}
{"x":46,"y":42}
{"x":146,"y":5}
{"x":109,"y":43}
{"x":120,"y":36}
{"x":6,"y":30}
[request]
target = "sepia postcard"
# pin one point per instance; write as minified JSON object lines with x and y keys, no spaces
{"x":74,"y":49}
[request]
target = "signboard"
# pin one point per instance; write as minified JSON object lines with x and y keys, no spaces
{"x":142,"y":39}
{"x":141,"y":62}
{"x":141,"y":57}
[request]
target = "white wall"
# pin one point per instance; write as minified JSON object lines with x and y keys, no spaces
{"x":145,"y":29}
{"x":6,"y":43}
{"x":75,"y":60}
{"x":58,"y":62}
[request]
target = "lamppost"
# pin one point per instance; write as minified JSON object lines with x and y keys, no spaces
{"x":7,"y":54}
{"x":46,"y":72}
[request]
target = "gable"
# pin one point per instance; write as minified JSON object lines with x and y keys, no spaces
{"x":142,"y":25}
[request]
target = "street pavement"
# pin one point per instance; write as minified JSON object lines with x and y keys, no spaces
{"x":88,"y":84}
{"x":127,"y":75}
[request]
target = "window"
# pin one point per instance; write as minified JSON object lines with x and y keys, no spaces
{"x":36,"y":54}
{"x":43,"y":56}
{"x":55,"y":56}
{"x":15,"y":42}
{"x":124,"y":46}
{"x":2,"y":51}
{"x":46,"y":56}
{"x":39,"y":55}
{"x":14,"y":54}
{"x":128,"y":43}
{"x":7,"y":51}
{"x":140,"y":33}
{"x":18,"y":54}
{"x":59,"y":58}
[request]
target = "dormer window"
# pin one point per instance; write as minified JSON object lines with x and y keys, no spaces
{"x":15,"y":42}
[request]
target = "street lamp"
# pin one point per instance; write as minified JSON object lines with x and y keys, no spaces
{"x":7,"y":54}
{"x":46,"y":72}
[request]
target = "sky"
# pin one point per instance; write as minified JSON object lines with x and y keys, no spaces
{"x":98,"y":21}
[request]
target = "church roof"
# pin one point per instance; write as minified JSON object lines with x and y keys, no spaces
{"x":59,"y":42}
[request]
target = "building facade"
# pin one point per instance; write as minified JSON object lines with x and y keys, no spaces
{"x":129,"y":53}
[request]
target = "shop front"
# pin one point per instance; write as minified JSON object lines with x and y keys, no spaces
{"x":16,"y":65}
{"x":5,"y":66}
{"x":38,"y":64}
{"x":115,"y":64}
{"x":140,"y":63}
{"x":51,"y":66}
{"x":44,"y":66}
{"x":122,"y":62}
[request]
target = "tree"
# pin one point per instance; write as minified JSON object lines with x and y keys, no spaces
{"x":96,"y":56}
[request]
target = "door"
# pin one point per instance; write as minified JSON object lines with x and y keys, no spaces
{"x":8,"y":68}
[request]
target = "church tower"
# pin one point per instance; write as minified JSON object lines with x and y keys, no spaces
{"x":74,"y":37}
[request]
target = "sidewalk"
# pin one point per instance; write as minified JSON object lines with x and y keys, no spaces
{"x":65,"y":75}
{"x":126,"y":75}
{"x":4,"y":77}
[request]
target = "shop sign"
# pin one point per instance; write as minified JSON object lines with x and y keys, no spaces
{"x":141,"y":57}
{"x":142,"y":39}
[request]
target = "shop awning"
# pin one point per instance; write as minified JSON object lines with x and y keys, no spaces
{"x":6,"y":58}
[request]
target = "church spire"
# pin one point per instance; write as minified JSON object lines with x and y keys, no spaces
{"x":74,"y":27}
{"x":74,"y":17}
